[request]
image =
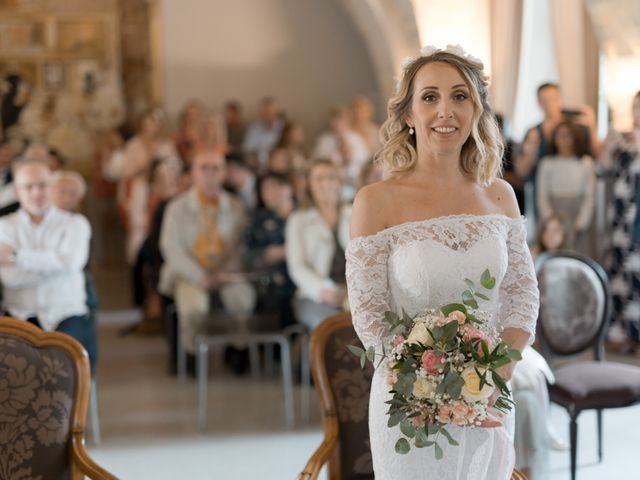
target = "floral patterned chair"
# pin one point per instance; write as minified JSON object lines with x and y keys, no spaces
{"x":44,"y":392}
{"x":343,"y":387}
{"x":575,"y":310}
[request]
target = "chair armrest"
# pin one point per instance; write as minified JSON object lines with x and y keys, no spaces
{"x":322,"y":453}
{"x":517,"y":475}
{"x":81,"y":459}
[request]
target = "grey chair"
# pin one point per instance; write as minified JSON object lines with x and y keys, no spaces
{"x":575,"y":312}
{"x":253,"y":340}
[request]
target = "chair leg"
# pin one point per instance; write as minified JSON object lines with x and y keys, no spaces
{"x":287,"y":382}
{"x":306,"y":377}
{"x":93,"y":412}
{"x":181,"y":354}
{"x":573,"y":430}
{"x":254,"y":360}
{"x":599,"y":416}
{"x":203,"y":385}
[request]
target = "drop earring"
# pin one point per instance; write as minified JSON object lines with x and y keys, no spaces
{"x":411,"y":131}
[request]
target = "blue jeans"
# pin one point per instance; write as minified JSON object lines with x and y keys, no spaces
{"x":83,"y":329}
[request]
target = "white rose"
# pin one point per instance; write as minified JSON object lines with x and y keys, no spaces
{"x":471,"y":391}
{"x":422,"y":388}
{"x":420,"y":334}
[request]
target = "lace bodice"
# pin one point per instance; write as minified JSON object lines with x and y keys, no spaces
{"x":423,"y":264}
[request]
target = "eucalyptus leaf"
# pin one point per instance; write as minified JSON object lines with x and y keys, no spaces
{"x":402,"y":446}
{"x":471,"y":303}
{"x":487,"y":281}
{"x":482,"y":296}
{"x":391,"y":318}
{"x":450,"y":439}
{"x":433,"y":428}
{"x":514,"y":354}
{"x":395,"y":418}
{"x":452,"y":307}
{"x":407,"y":428}
{"x":470,"y":284}
{"x":438,"y":451}
{"x":357,"y":351}
{"x":371,"y":353}
{"x":421,"y":438}
{"x":450,"y":329}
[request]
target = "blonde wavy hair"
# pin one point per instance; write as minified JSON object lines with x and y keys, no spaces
{"x":481,"y":155}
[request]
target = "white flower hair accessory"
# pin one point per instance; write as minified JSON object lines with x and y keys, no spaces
{"x":456,"y":50}
{"x":429,"y":50}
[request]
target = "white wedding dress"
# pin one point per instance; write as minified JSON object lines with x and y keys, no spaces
{"x":423,"y":264}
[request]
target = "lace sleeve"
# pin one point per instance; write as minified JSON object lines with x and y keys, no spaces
{"x":368,"y":287}
{"x":519,"y":296}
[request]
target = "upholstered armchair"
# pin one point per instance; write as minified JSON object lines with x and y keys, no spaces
{"x":344,"y":389}
{"x":44,"y":392}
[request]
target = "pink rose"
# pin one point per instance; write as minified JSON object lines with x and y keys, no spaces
{"x":443,"y":414}
{"x":398,"y":340}
{"x":471,"y":414}
{"x":460,"y":410}
{"x":417,"y":421}
{"x":429,"y":362}
{"x":392,"y":378}
{"x":473,"y":334}
{"x":458,"y":316}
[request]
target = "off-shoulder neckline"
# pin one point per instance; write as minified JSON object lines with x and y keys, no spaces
{"x":439,"y":218}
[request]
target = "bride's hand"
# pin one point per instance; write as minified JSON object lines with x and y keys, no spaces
{"x":493,"y":420}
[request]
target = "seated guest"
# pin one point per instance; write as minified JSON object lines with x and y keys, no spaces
{"x":266,"y":253}
{"x":200,"y":243}
{"x":241,"y":181}
{"x":316,"y":238}
{"x":345,"y":147}
{"x":43,"y":251}
{"x":68,"y":191}
{"x":263,"y":134}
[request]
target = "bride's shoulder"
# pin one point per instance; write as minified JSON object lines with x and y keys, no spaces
{"x":371,"y":208}
{"x":500,"y":193}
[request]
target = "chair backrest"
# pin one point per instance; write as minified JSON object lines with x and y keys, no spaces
{"x":344,"y":389}
{"x":44,"y":390}
{"x":575,"y":304}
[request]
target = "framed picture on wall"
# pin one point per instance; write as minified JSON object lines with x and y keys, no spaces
{"x":82,"y":38}
{"x":22,"y":36}
{"x":53,"y":75}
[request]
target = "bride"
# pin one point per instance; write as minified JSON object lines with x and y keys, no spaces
{"x":440,"y":216}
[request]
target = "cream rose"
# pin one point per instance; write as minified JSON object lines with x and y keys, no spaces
{"x":471,"y":390}
{"x":423,"y":387}
{"x":420,"y":334}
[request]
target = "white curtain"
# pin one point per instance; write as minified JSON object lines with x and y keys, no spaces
{"x":576,"y":52}
{"x":506,"y":32}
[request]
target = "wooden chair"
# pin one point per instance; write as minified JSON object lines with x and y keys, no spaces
{"x":44,"y":387}
{"x":575,"y":310}
{"x":344,"y":390}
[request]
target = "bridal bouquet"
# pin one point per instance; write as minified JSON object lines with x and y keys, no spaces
{"x":442,"y":369}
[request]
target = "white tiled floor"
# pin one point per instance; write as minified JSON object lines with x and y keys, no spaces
{"x":149,"y":429}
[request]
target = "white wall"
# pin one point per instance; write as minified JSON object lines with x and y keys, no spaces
{"x":306,"y":53}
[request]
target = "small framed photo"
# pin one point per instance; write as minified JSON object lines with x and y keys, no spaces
{"x":53,"y":75}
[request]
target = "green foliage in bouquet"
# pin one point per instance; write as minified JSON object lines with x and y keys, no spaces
{"x":468,"y":366}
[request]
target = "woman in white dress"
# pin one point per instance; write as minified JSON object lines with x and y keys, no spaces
{"x":440,"y":216}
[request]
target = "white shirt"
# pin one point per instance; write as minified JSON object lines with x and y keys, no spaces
{"x":310,"y":249}
{"x":47,"y":279}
